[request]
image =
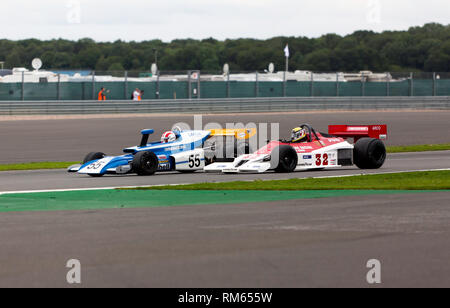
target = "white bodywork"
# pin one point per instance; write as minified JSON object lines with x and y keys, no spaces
{"x":190,"y":160}
{"x":326,"y":157}
{"x":97,"y":167}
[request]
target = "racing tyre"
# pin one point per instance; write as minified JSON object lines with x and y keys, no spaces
{"x":145,"y":163}
{"x":284,"y":159}
{"x":93,"y":156}
{"x":369,"y":153}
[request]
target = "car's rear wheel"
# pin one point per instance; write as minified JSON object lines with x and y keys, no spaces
{"x":284,"y":159}
{"x":145,"y":163}
{"x":369,"y":153}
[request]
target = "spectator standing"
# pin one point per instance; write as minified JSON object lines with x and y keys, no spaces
{"x":137,"y":95}
{"x":102,"y":94}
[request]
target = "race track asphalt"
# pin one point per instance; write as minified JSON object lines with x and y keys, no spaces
{"x":60,"y":179}
{"x":71,"y":139}
{"x":299,"y":243}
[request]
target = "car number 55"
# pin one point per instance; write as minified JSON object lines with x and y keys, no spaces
{"x":194,"y":161}
{"x":95,"y":166}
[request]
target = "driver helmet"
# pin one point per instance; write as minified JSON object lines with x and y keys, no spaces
{"x":298,"y":135}
{"x":168,"y":137}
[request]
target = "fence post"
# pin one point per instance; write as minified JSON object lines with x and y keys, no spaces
{"x":189,"y":85}
{"x":284,"y":84}
{"x":434,"y":84}
{"x":23,"y":86}
{"x":337,"y":84}
{"x":199,"y":86}
{"x":93,"y":85}
{"x":257,"y":85}
{"x":312,"y":84}
{"x":388,"y":85}
{"x":228,"y":85}
{"x":411,"y":84}
{"x":157,"y":85}
{"x":125,"y":86}
{"x":363,"y":88}
{"x":58,"y":88}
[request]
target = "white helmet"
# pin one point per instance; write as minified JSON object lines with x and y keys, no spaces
{"x":168,"y":137}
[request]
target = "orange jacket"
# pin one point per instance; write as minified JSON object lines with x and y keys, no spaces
{"x":101,"y":95}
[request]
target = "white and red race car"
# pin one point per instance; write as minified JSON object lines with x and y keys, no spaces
{"x":319,"y":151}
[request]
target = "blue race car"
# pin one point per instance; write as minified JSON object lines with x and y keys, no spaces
{"x":178,"y":150}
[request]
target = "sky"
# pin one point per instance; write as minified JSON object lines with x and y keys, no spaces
{"x":139,"y":20}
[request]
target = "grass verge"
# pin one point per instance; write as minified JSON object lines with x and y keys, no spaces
{"x":37,"y":166}
{"x":418,"y":148}
{"x":433,"y":180}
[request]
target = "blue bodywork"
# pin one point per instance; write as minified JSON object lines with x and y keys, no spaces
{"x":186,"y":141}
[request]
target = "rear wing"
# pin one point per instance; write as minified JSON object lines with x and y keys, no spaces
{"x":241,"y":133}
{"x":359,"y":131}
{"x":145,"y":135}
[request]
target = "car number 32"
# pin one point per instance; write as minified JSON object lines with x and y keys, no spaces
{"x":322,"y":160}
{"x":194,"y":161}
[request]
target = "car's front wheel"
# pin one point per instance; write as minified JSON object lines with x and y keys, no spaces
{"x":93,"y":156}
{"x":284,"y":159}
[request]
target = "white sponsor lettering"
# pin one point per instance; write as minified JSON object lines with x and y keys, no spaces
{"x":357,"y":129}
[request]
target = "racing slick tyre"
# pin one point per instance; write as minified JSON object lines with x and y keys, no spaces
{"x":369,"y":153}
{"x":284,"y":159}
{"x":93,"y":156}
{"x":145,"y":163}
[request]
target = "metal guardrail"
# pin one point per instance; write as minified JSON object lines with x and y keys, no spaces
{"x":252,"y":105}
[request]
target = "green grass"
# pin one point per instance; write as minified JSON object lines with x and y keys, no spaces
{"x":37,"y":166}
{"x":433,"y":180}
{"x":418,"y":148}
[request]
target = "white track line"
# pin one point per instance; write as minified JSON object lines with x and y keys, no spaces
{"x":144,"y":186}
{"x":84,"y":189}
{"x":361,"y":174}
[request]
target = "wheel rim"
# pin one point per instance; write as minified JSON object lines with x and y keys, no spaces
{"x":289,"y":162}
{"x":148,"y":162}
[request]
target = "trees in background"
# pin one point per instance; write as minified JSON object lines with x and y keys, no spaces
{"x":424,"y":48}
